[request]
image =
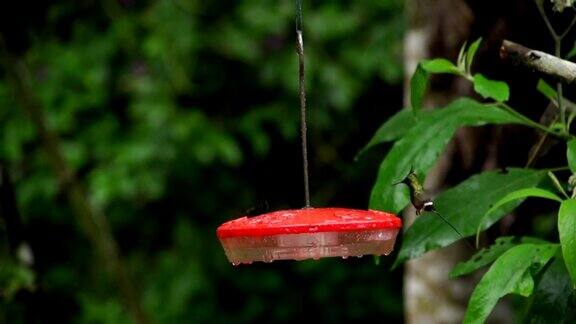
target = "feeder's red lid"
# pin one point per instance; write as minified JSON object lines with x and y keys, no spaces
{"x":309,"y":220}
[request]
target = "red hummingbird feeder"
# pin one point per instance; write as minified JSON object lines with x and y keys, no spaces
{"x":308,"y":233}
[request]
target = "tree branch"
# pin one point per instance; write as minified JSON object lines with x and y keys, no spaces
{"x":544,"y":63}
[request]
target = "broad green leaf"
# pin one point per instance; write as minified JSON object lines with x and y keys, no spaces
{"x":554,"y":298}
{"x":418,"y":85}
{"x":422,"y":145}
{"x":440,"y":65}
{"x":487,"y":255}
{"x":393,"y":129}
{"x":487,"y":88}
{"x":512,"y":196}
{"x":567,"y":231}
{"x":464,"y":206}
{"x":571,"y":155}
{"x":511,"y":273}
{"x":472,"y":53}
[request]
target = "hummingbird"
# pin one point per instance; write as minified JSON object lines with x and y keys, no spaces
{"x":418,"y":196}
{"x":421,"y":201}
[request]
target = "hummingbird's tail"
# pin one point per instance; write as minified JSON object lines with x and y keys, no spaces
{"x":454,"y":228}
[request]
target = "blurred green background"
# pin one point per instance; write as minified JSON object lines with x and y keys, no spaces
{"x":177,"y":116}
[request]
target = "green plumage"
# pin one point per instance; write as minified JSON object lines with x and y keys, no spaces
{"x":417,"y":195}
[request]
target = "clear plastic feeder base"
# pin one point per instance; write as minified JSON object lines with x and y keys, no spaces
{"x":245,"y":249}
{"x":310,"y":233}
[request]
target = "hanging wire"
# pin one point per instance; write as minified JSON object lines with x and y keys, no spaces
{"x":302,"y":93}
{"x":298,"y":15}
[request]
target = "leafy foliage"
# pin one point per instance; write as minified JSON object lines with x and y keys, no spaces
{"x":554,"y":297}
{"x":515,"y":195}
{"x":487,"y":88}
{"x":178,"y":115}
{"x":393,"y":129}
{"x":571,"y":155}
{"x":526,"y":266}
{"x":567,"y":229}
{"x":513,"y":272}
{"x":419,"y":81}
{"x":14,"y":277}
{"x":489,"y":254}
{"x":422,"y":144}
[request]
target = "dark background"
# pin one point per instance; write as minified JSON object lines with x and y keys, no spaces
{"x":179,"y":115}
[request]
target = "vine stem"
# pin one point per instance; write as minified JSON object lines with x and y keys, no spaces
{"x":528,"y":121}
{"x":559,"y":92}
{"x":556,"y":169}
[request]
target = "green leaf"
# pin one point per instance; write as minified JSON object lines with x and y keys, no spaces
{"x":552,"y":95}
{"x":572,"y":52}
{"x":472,"y":53}
{"x":440,"y":65}
{"x":548,"y":91}
{"x":422,"y":145}
{"x":487,"y":88}
{"x":512,"y":196}
{"x":545,"y":89}
{"x":461,"y":61}
{"x":487,"y":255}
{"x":418,"y":85}
{"x":554,"y":299}
{"x":463,"y":206}
{"x":419,"y":81}
{"x":557,"y":184}
{"x":567,"y":231}
{"x":571,"y":155}
{"x":393,"y":129}
{"x":512,"y":272}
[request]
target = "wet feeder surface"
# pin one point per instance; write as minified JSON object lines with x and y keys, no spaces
{"x":309,"y":233}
